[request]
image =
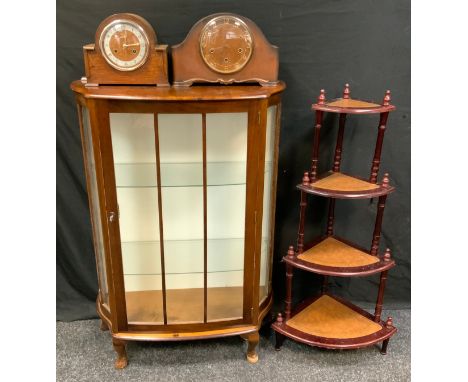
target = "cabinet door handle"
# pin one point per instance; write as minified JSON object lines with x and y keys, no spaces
{"x":111,"y":216}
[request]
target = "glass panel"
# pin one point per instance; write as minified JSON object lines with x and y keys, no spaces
{"x":267,"y":221}
{"x":95,"y":207}
{"x":226,"y":149}
{"x":133,"y":144}
{"x":181,"y":156}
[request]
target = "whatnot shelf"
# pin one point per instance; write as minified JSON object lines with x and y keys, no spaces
{"x":331,"y":322}
{"x":334,"y":256}
{"x":325,"y":320}
{"x":342,"y":186}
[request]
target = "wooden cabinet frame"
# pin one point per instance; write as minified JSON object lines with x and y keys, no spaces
{"x":254,"y":100}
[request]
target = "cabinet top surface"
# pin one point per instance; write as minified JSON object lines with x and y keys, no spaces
{"x":193,"y":93}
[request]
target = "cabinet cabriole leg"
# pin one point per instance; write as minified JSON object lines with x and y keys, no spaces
{"x":253,"y":340}
{"x":122,"y":360}
{"x":103,"y":326}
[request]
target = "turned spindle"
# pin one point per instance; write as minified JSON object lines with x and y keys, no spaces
{"x":389,"y":322}
{"x":279,"y":318}
{"x":279,"y":336}
{"x":305,"y":179}
{"x":346,"y":92}
{"x":387,"y":98}
{"x":324,"y":284}
{"x":315,"y":150}
{"x":378,"y":225}
{"x":378,"y":147}
{"x":387,"y":256}
{"x":331,"y":216}
{"x":385,"y":180}
{"x":289,"y":276}
{"x":321,"y":97}
{"x":316,"y":145}
{"x":380,"y":296}
{"x":339,"y":143}
{"x":303,"y":206}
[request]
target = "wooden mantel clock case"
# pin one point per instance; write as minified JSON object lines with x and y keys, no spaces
{"x":181,"y":185}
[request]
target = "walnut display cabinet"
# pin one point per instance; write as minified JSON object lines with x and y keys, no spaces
{"x":181,"y":186}
{"x":325,"y":320}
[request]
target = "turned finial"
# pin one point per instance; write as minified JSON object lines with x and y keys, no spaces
{"x":387,"y":255}
{"x":389,"y":322}
{"x":305,"y":179}
{"x":387,"y":99}
{"x":290,"y":252}
{"x":346,"y":92}
{"x":321,"y":98}
{"x":385,"y":180}
{"x":279,"y":318}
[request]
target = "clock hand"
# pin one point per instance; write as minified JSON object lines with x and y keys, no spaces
{"x":136,"y":44}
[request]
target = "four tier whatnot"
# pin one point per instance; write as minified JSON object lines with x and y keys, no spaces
{"x":325,"y":320}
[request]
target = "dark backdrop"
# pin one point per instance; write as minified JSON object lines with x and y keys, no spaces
{"x":322,"y":44}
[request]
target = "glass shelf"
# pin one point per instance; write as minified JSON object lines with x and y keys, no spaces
{"x":180,"y":174}
{"x":183,"y":256}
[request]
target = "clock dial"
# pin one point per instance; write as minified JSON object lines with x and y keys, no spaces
{"x":124,"y":45}
{"x":226,"y":44}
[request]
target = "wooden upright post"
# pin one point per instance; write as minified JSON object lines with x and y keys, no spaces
{"x":331,"y":216}
{"x":289,"y":276}
{"x":315,"y":150}
{"x":380,"y":296}
{"x":380,"y":136}
{"x":339,"y":143}
{"x":324,"y":284}
{"x":378,"y":220}
{"x":303,"y":205}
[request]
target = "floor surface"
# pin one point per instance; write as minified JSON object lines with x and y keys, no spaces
{"x":85,"y":353}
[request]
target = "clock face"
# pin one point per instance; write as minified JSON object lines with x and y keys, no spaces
{"x":226,"y":44}
{"x":124,"y":45}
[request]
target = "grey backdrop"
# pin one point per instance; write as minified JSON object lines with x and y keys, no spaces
{"x":323,"y":44}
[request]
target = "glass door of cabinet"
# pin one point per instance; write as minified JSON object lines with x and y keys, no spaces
{"x":181,"y":192}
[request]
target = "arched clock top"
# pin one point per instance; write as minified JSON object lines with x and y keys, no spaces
{"x":225,"y":48}
{"x":125,"y":52}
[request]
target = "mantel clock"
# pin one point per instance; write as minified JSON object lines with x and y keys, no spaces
{"x":125,"y":52}
{"x":225,"y":48}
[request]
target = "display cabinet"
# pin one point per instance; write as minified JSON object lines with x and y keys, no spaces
{"x":327,"y":320}
{"x":181,"y":186}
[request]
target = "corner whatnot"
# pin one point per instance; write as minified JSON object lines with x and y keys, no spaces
{"x":325,"y":320}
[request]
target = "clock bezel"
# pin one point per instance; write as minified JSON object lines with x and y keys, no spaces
{"x":140,"y":29}
{"x":202,"y":33}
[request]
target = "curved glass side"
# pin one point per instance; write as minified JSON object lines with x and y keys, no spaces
{"x":95,"y":208}
{"x":269,"y":185}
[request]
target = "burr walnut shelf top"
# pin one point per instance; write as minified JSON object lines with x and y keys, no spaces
{"x":352,"y":106}
{"x":337,"y":257}
{"x":326,"y":317}
{"x":193,"y":93}
{"x":333,"y":323}
{"x":334,"y":253}
{"x":338,"y":185}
